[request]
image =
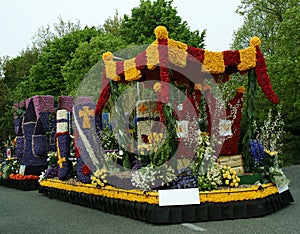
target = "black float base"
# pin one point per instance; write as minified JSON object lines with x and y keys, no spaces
{"x":154,"y":213}
{"x":25,"y":185}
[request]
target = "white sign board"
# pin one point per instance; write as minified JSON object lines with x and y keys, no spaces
{"x":182,"y":128}
{"x":225,"y":127}
{"x":177,"y":197}
{"x":282,"y":188}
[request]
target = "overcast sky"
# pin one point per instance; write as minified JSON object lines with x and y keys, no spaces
{"x":20,"y":19}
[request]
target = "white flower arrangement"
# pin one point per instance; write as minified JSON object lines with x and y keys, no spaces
{"x":149,"y":177}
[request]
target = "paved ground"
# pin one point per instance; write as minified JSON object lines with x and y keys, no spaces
{"x":31,"y":212}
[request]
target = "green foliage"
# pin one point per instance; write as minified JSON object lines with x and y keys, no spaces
{"x":138,"y":28}
{"x":86,"y":55}
{"x":250,"y":115}
{"x":277,"y":24}
{"x":168,"y":149}
{"x":48,"y":33}
{"x":46,"y":76}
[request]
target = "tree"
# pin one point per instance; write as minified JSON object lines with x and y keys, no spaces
{"x":46,"y":76}
{"x":277,"y":24}
{"x":18,"y":68}
{"x":6,"y":117}
{"x":113,"y":25}
{"x":45,"y":34}
{"x":86,"y":56}
{"x":138,"y":28}
{"x":3,"y":61}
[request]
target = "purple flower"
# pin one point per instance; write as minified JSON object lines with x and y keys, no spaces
{"x":257,"y":152}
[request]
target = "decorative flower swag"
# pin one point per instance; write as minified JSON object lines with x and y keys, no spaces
{"x":164,"y":52}
{"x":151,"y":197}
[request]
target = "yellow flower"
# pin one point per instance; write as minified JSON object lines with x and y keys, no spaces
{"x":152,"y":56}
{"x":227,"y":182}
{"x":234,"y":180}
{"x":240,"y":89}
{"x":248,"y":58}
{"x":236,"y":184}
{"x":238,"y":179}
{"x":271,"y":153}
{"x":231,"y":184}
{"x":229,"y":176}
{"x":255,"y":41}
{"x":130,"y":71}
{"x":157,"y":86}
{"x":108,"y":56}
{"x":224,"y":175}
{"x":213,"y":62}
{"x":161,"y":32}
{"x":177,"y":53}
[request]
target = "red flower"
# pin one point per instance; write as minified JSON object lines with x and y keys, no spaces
{"x":104,"y":96}
{"x":85,"y":170}
{"x":231,"y":58}
{"x":230,"y":145}
{"x":120,"y":68}
{"x":197,"y":55}
{"x":262,"y":77}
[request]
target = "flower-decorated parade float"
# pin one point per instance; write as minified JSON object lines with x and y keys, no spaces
{"x":168,"y":150}
{"x":34,"y":145}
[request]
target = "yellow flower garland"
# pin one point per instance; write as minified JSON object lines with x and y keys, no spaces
{"x":248,"y":58}
{"x":177,"y":52}
{"x":213,"y":62}
{"x":228,"y":195}
{"x":130,"y":70}
{"x":110,"y":66}
{"x":152,"y":56}
{"x":111,"y":71}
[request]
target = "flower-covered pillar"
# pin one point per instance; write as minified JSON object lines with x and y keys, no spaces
{"x":164,"y":94}
{"x":34,"y":151}
{"x":63,"y":144}
{"x":231,"y":127}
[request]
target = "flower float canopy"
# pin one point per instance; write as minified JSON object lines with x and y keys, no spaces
{"x":187,"y":63}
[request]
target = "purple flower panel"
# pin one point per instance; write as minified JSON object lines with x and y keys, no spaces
{"x":20,"y":145}
{"x":39,"y":145}
{"x":64,"y":149}
{"x":81,"y":177}
{"x":66,"y":102}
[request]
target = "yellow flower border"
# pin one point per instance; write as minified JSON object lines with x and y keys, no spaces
{"x":228,"y":195}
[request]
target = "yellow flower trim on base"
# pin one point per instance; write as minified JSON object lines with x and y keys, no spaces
{"x":213,"y":62}
{"x":130,"y":71}
{"x":228,"y":195}
{"x":107,"y":191}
